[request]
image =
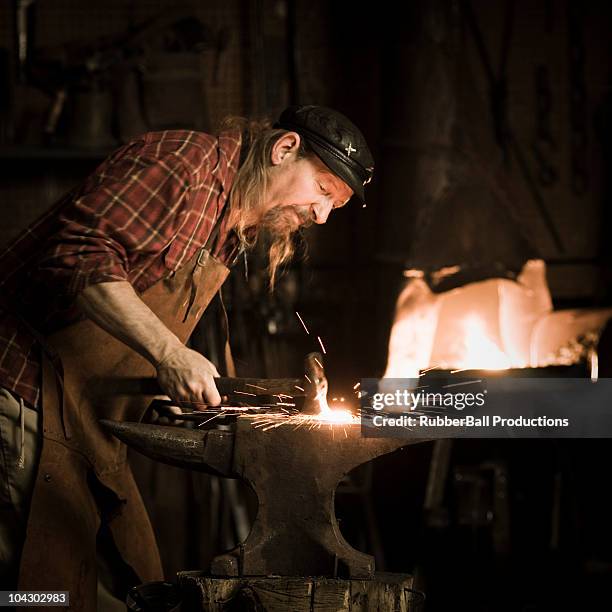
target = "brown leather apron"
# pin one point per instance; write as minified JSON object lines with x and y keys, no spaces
{"x":60,"y":547}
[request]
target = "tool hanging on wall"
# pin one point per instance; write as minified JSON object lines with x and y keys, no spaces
{"x":130,"y":79}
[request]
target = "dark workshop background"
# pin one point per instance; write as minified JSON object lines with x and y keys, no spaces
{"x":514,"y":95}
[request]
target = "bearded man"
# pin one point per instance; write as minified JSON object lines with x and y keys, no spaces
{"x":111,"y":282}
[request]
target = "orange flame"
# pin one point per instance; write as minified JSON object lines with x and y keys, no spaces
{"x":481,"y":352}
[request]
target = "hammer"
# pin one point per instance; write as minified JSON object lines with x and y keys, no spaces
{"x":245,"y":391}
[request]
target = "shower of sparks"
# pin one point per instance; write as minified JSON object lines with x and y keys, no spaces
{"x":302,"y":322}
{"x":357,"y":385}
{"x":318,"y":363}
{"x":468,"y":382}
{"x":298,"y":388}
{"x":246,"y":393}
{"x":267,"y":422}
{"x":321,"y":343}
{"x":255,"y":386}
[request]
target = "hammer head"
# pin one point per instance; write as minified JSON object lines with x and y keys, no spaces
{"x":315,"y":383}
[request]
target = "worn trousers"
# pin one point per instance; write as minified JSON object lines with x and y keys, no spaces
{"x":20,"y":445}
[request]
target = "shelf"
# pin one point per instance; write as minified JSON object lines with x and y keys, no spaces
{"x":21,"y":152}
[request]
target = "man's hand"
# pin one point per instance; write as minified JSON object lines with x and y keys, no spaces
{"x":183,"y":374}
{"x":187,"y":376}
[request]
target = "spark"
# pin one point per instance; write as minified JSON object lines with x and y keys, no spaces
{"x":469,"y":382}
{"x":209,"y":420}
{"x":255,"y":386}
{"x":302,"y":322}
{"x":321,"y":343}
{"x":299,"y":388}
{"x":318,"y":363}
{"x":460,"y":370}
{"x":246,"y":393}
{"x":308,"y":379}
{"x":429,"y":369}
{"x":357,"y":385}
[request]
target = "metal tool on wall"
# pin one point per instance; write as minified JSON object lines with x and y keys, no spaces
{"x":125,"y":80}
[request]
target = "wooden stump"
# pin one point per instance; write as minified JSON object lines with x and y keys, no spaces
{"x":385,"y":593}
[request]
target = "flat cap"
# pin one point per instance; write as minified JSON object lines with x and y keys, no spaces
{"x":336,"y":140}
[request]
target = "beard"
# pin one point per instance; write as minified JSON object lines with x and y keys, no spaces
{"x":280,"y":225}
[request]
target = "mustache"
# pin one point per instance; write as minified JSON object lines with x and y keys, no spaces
{"x":286,"y":220}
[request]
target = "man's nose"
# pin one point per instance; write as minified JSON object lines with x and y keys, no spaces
{"x":321,"y":211}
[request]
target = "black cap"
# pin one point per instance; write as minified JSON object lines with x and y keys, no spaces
{"x":336,"y":140}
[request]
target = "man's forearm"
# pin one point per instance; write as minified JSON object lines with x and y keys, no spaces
{"x":183,"y":374}
{"x":118,"y":309}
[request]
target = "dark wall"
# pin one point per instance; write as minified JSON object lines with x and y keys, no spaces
{"x":411,"y":75}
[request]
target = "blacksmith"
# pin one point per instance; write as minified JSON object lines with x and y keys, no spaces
{"x":111,"y":282}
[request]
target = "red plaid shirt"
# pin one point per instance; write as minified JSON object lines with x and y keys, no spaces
{"x":142,"y":214}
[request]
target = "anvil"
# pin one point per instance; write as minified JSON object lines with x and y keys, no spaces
{"x":294,"y":471}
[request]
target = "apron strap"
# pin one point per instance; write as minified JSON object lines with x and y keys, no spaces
{"x":205,"y":252}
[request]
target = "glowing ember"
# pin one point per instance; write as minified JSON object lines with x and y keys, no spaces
{"x":338,"y":416}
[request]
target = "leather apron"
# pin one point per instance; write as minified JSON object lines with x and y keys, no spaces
{"x":60,"y":547}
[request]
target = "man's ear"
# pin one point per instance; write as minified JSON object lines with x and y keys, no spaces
{"x":287,"y":144}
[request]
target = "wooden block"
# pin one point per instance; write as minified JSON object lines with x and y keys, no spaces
{"x":386,"y":592}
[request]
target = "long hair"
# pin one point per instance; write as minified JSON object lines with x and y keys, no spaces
{"x":248,"y":191}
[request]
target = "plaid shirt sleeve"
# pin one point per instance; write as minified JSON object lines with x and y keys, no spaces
{"x":139,"y":216}
{"x":128,"y":211}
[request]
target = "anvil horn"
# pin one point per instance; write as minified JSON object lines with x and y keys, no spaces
{"x":201,"y":450}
